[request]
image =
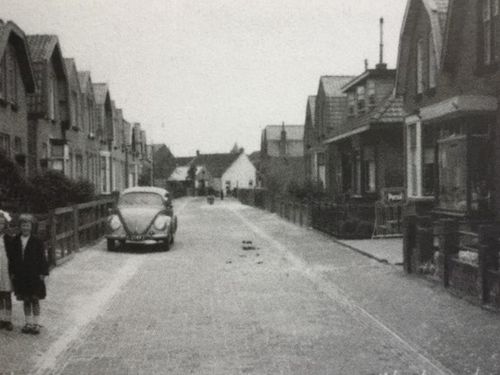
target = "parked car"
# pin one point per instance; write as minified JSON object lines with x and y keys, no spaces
{"x":143,"y":215}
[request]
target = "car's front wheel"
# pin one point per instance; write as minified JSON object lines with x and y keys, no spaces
{"x":111,"y":244}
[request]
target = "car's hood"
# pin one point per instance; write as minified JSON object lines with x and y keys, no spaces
{"x":137,"y":220}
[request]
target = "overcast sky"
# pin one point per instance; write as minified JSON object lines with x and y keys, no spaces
{"x":214,"y":72}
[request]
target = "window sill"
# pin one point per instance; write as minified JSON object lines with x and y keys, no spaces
{"x":424,"y":198}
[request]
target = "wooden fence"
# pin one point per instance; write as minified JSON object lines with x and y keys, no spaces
{"x":65,"y":230}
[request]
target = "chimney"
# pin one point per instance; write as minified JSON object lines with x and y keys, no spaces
{"x":197,"y":152}
{"x":366,"y":64}
{"x":381,"y":65}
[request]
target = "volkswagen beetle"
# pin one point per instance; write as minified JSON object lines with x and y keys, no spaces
{"x":143,"y":215}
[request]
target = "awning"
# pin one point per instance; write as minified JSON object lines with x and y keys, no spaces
{"x":459,"y":106}
{"x":362,"y":129}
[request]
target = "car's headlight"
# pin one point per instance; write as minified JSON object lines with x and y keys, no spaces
{"x":161,"y":222}
{"x":114,"y":222}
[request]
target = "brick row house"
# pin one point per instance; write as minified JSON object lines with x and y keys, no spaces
{"x":281,"y":156}
{"x":365,"y":149}
{"x":54,"y":117}
{"x":448,"y":75}
{"x":16,"y":82}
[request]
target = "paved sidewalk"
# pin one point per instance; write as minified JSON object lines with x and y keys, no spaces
{"x":388,"y":250}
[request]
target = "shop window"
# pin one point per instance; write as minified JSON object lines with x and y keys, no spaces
{"x":453,"y":173}
{"x":369,"y":169}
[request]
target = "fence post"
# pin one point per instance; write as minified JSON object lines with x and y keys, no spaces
{"x":76,"y":226}
{"x":487,"y":259}
{"x":409,"y":241}
{"x":52,"y":238}
{"x":448,"y":246}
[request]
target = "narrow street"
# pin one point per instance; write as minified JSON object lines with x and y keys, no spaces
{"x":296,"y":304}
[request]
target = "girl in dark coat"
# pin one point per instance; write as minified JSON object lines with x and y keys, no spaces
{"x":29,"y":267}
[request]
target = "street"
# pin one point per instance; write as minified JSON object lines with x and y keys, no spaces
{"x":292,"y":302}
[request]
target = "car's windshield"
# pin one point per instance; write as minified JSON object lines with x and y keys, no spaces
{"x":140,"y":199}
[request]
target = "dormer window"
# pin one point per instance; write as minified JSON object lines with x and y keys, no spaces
{"x":360,"y":93}
{"x":372,"y":100}
{"x":351,"y":102}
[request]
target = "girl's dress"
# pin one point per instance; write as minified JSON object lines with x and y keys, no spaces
{"x":5,"y":284}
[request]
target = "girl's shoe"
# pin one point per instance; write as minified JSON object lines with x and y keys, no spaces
{"x":27,"y":328}
{"x":35,"y":329}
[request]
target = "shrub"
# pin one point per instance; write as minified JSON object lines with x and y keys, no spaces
{"x":54,"y":189}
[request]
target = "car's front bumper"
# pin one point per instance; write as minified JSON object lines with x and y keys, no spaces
{"x":139,"y":239}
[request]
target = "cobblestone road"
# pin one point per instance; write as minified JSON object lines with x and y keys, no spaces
{"x":297,"y":304}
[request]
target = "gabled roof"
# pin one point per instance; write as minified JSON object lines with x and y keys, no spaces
{"x":84,"y":79}
{"x":43,"y":48}
{"x":311,"y":108}
{"x":437,"y":11}
{"x":11,"y":33}
{"x":332,"y":85}
{"x":216,"y":164}
{"x":369,"y":73}
{"x":183,"y":161}
{"x":388,"y":111}
{"x":72,"y":73}
{"x":101,"y":91}
{"x":293,"y":132}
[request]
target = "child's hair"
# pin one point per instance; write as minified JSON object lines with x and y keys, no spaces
{"x":27,"y":218}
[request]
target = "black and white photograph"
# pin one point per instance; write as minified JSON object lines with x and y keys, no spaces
{"x":232,"y":187}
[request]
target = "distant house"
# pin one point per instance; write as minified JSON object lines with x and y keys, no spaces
{"x":49,"y":116}
{"x":281,"y":156}
{"x":324,"y":114}
{"x":224,"y":171}
{"x":183,"y":161}
{"x":365,"y":151}
{"x":16,"y":80}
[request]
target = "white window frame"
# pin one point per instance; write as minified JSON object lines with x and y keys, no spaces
{"x":487,"y":32}
{"x":418,"y":160}
{"x":420,"y":66}
{"x":432,"y":63}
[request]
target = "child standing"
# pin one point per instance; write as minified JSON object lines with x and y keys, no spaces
{"x":5,"y":282}
{"x":29,"y":267}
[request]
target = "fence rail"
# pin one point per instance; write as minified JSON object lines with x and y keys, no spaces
{"x":64,"y":230}
{"x":356,"y":219}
